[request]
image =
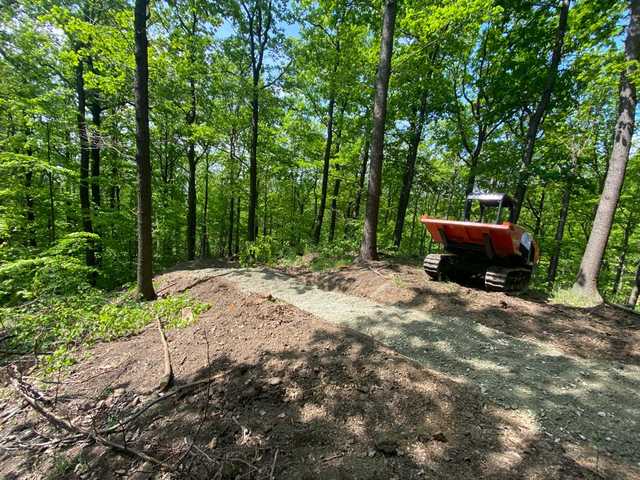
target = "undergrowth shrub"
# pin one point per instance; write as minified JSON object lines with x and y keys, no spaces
{"x":57,"y":271}
{"x":569,"y":297}
{"x":336,"y":254}
{"x":57,"y":324}
{"x":265,"y":250}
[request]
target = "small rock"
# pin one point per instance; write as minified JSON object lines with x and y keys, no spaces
{"x":213,"y":443}
{"x":274,"y":381}
{"x":187,"y":315}
{"x":602,"y":414}
{"x":118,"y":392}
{"x":388,"y":443}
{"x":249,"y":392}
{"x":440,"y":437}
{"x":143,"y":472}
{"x":282,"y":415}
{"x":371,"y":452}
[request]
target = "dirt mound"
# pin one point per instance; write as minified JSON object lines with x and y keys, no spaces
{"x":293,"y":398}
{"x":603,"y":332}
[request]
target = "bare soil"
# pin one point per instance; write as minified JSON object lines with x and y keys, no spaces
{"x":294,"y":397}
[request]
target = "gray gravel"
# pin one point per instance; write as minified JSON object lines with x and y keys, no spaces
{"x":570,"y":399}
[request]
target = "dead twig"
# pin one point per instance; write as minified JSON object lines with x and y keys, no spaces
{"x":273,"y":465}
{"x":25,"y":390}
{"x":167,"y":379}
{"x":154,"y":401}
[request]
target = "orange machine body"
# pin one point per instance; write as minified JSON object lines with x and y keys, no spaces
{"x":505,"y":237}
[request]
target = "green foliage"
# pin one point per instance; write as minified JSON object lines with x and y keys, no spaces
{"x":571,"y":298}
{"x":59,"y":270}
{"x":58,"y":324}
{"x":481,"y":63}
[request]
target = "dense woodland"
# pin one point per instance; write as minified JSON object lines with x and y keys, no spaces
{"x":278,"y":128}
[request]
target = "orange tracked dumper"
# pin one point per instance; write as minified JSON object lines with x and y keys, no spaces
{"x":502,"y":254}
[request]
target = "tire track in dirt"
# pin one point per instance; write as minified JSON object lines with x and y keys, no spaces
{"x":572,"y":400}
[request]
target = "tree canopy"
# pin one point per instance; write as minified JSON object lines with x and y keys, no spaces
{"x":261,"y":115}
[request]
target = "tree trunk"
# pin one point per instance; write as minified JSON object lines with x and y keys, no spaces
{"x":85,"y":205}
{"x":417,"y":124}
{"x":364,"y":160}
{"x":204,"y":244}
{"x":114,"y":194}
{"x":586,"y":283}
{"x":536,"y":230}
{"x":555,"y":256}
{"x":191,"y":191}
{"x":52,"y":208}
{"x":143,"y":158}
{"x":265,"y":216}
{"x":369,"y":246}
{"x":237,"y":247}
{"x":231,"y":226}
{"x":253,"y":164}
{"x":633,"y":296}
{"x":95,"y":151}
{"x":536,"y":119}
{"x":628,"y":230}
{"x":414,"y":217}
{"x":191,"y":203}
{"x":317,"y":224}
{"x":31,"y":218}
{"x":337,"y":181}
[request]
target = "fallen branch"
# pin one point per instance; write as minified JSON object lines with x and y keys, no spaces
{"x":24,"y":390}
{"x":164,"y":290}
{"x":167,"y":379}
{"x":154,"y":401}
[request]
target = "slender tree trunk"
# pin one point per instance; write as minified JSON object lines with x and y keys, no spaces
{"x":114,"y":193}
{"x":536,"y":119}
{"x":85,"y":205}
{"x":191,"y":191}
{"x":633,"y":296}
{"x":536,"y":230}
{"x":253,"y":163}
{"x":369,"y":246}
{"x":414,"y":217}
{"x":30,"y":214}
{"x":265,"y":216}
{"x":317,"y":225}
{"x":562,"y":221}
{"x":95,"y":150}
{"x":143,"y":157}
{"x":52,"y":207}
{"x":191,"y":203}
{"x":364,"y":160}
{"x":231,"y":226}
{"x":204,"y":247}
{"x":232,"y":158}
{"x":237,"y":247}
{"x":417,"y":124}
{"x":628,"y":230}
{"x":586,"y":283}
{"x":337,"y":181}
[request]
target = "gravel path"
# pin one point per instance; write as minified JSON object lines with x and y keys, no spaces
{"x":570,"y":399}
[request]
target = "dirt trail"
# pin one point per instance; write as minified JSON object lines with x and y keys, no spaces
{"x":571,"y":399}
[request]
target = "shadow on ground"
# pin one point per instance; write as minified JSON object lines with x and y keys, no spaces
{"x":294,"y":398}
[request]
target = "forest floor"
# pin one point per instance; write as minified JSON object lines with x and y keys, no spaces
{"x":474,"y":385}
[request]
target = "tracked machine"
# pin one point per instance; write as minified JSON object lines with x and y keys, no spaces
{"x":501,"y":254}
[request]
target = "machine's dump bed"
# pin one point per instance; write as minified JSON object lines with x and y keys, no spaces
{"x":501,"y":240}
